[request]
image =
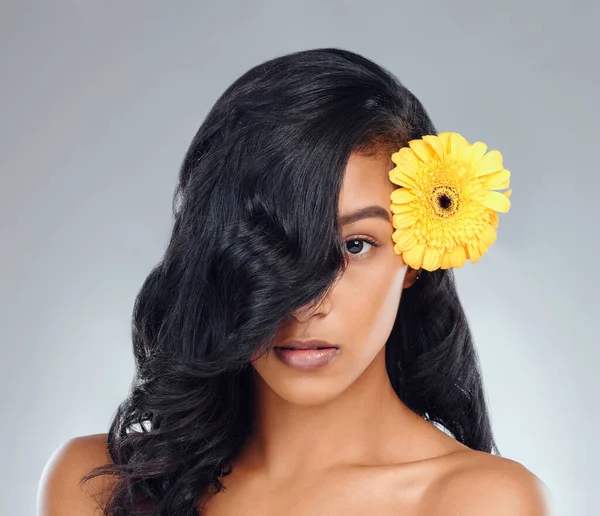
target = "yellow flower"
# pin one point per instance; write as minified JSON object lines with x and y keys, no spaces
{"x":445,"y":210}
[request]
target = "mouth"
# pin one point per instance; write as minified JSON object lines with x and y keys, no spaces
{"x":312,"y":354}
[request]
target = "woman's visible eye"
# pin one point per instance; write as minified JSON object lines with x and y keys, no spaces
{"x":356,"y":247}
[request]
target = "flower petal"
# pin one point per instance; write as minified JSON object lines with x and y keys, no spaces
{"x":404,"y":239}
{"x":483,"y":248}
{"x":458,"y":146}
{"x":446,"y":261}
{"x":493,"y":217}
{"x":496,"y":201}
{"x":400,"y":178}
{"x":478,"y":150}
{"x":396,"y":156}
{"x":414,"y":256}
{"x":405,"y":158}
{"x":488,"y":235}
{"x":432,"y":259}
{"x":422,"y":150}
{"x":474,"y":253}
{"x":458,"y":256}
{"x":401,"y":208}
{"x":401,"y":195}
{"x":491,"y":162}
{"x":403,"y":220}
{"x":445,"y":140}
{"x":435,"y":143}
{"x":497,"y":180}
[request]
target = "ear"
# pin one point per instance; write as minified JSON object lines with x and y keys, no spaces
{"x":410,"y":277}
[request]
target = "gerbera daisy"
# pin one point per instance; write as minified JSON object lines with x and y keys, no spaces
{"x":445,"y":210}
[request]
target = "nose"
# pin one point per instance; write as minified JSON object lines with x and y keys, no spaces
{"x":320,"y":307}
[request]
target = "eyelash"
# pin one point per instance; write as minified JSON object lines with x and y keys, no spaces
{"x":369,"y":240}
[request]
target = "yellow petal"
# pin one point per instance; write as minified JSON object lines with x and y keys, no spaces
{"x":435,"y":143}
{"x":491,"y":162}
{"x":398,"y":177}
{"x":445,"y":140}
{"x":432,"y":259}
{"x":446,"y":261}
{"x":474,"y":253}
{"x":401,"y":195}
{"x":401,"y":208}
{"x":458,"y":146}
{"x":496,"y":201}
{"x":488,"y":235}
{"x":493,"y":217}
{"x":403,"y":220}
{"x":477,"y":151}
{"x":414,"y":256}
{"x":396,"y":156}
{"x":497,"y":180}
{"x":404,"y":239}
{"x":483,"y":248}
{"x":405,"y":158}
{"x":458,"y":256}
{"x":507,"y":193}
{"x":422,"y":150}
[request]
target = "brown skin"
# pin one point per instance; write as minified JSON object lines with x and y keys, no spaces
{"x":338,"y":440}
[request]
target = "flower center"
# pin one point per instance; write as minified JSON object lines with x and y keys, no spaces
{"x":444,"y":201}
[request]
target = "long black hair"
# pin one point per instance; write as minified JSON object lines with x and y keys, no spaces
{"x":255,"y":237}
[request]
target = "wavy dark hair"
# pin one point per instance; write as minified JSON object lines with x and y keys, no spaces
{"x":258,"y":187}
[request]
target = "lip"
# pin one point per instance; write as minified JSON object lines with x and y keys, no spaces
{"x":306,"y":354}
{"x":305,"y":344}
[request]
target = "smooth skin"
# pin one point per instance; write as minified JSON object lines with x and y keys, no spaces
{"x":337,"y":440}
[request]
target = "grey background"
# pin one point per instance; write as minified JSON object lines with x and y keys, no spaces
{"x":99,"y":101}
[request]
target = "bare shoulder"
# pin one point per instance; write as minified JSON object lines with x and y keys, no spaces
{"x":481,"y":483}
{"x":60,"y":492}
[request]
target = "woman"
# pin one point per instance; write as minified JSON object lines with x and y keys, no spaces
{"x":301,"y":348}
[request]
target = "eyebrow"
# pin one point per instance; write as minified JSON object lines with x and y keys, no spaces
{"x":365,"y":213}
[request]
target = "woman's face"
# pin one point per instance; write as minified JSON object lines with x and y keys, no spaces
{"x":358,"y":314}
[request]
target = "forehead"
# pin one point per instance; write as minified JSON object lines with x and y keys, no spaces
{"x":366,"y":181}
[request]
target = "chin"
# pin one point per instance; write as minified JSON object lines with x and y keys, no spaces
{"x":309,"y":397}
{"x":309,"y":391}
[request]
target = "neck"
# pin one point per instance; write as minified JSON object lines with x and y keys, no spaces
{"x":360,"y":426}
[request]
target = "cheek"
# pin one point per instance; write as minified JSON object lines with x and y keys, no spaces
{"x":368,"y":300}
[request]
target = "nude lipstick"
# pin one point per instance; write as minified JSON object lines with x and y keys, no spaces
{"x":307,"y":354}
